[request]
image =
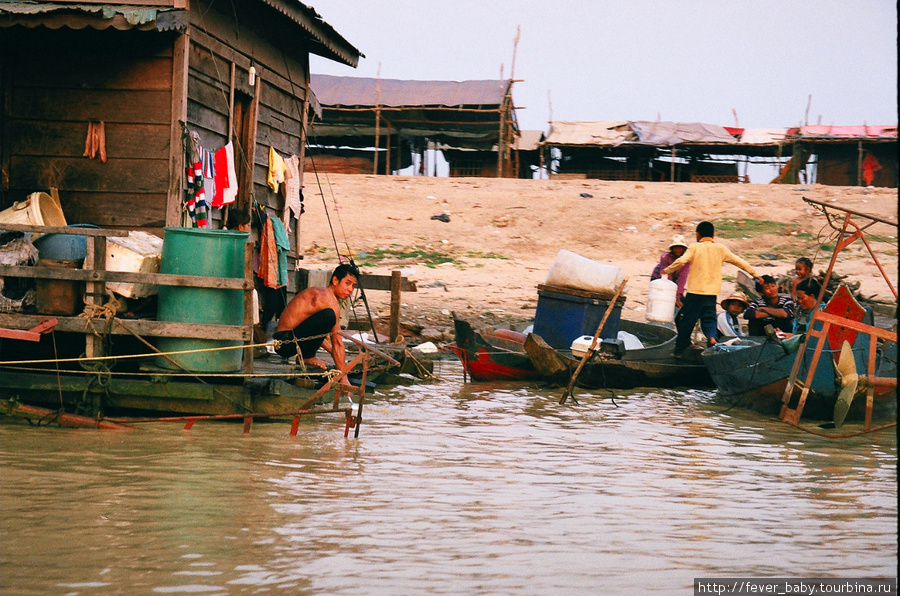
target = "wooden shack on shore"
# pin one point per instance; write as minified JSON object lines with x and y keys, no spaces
{"x":848,"y":155}
{"x":372,"y":125}
{"x":659,"y":151}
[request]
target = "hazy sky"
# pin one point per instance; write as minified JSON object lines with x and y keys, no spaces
{"x":676,"y":60}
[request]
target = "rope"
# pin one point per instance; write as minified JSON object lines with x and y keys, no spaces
{"x":290,"y":374}
{"x":840,"y":436}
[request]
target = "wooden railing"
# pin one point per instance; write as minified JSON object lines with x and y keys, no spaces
{"x":95,"y":276}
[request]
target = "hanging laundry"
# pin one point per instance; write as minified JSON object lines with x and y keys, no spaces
{"x":230,"y":193}
{"x":282,"y":246}
{"x":189,"y":204}
{"x":209,"y":184}
{"x":276,"y":170}
{"x":268,"y":255}
{"x":193,"y":147}
{"x":292,"y":195}
{"x":222,"y":179}
{"x":96,"y":141}
{"x":197,"y":197}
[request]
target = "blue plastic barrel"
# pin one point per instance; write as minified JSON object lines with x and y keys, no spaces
{"x":210,"y":253}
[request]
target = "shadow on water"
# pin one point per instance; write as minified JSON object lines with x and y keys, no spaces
{"x":451,"y":488}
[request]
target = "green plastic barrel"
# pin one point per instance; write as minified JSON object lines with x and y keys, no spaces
{"x":210,"y":253}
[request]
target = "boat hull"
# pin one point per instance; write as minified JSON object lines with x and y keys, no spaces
{"x":491,"y":358}
{"x":651,"y":366}
{"x":755,"y":375}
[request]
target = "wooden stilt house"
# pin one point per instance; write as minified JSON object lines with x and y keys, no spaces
{"x":152,"y":72}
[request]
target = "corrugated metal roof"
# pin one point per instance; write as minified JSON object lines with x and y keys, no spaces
{"x":327,"y":42}
{"x":335,"y":91}
{"x":323,"y":39}
{"x":607,"y":132}
{"x":104,"y":16}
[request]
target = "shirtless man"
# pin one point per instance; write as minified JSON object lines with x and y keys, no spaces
{"x":314,"y":314}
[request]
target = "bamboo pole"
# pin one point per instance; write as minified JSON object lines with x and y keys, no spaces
{"x":377,"y":118}
{"x":859,"y":162}
{"x":590,"y":350}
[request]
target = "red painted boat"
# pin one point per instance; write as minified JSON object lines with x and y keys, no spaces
{"x":495,"y":355}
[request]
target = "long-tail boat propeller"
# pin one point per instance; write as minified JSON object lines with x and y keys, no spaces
{"x":846,"y":366}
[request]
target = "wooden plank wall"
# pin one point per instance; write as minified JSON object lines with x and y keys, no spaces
{"x":281,"y":72}
{"x":55,"y":82}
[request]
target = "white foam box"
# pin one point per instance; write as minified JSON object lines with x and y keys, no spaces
{"x":139,"y":252}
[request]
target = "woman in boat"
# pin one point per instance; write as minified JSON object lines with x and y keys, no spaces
{"x":676,"y":249}
{"x":807,"y":294}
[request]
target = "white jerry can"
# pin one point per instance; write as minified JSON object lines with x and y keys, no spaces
{"x":661,"y":300}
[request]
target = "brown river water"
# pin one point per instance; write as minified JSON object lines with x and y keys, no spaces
{"x":451,"y":488}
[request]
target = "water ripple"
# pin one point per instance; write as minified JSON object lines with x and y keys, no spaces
{"x":452,"y":488}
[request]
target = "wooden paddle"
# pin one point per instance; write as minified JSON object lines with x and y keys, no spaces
{"x":590,"y":351}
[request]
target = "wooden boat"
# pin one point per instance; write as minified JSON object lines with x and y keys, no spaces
{"x":753,"y":372}
{"x":650,"y":366}
{"x":495,"y":355}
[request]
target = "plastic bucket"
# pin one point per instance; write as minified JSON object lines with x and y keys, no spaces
{"x":570,"y":270}
{"x":211,"y":253}
{"x":661,"y":300}
{"x":39,"y":209}
{"x":63,"y":247}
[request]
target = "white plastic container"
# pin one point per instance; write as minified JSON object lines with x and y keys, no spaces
{"x":661,"y":300}
{"x":39,"y":209}
{"x":570,"y":270}
{"x":139,"y":252}
{"x":581,"y":345}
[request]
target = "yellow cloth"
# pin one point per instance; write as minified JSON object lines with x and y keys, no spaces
{"x":706,"y":258}
{"x":277,"y":168}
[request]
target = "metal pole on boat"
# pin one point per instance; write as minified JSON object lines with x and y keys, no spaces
{"x":590,"y":351}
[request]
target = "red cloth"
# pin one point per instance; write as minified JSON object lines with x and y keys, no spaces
{"x":220,"y":175}
{"x":869,"y":167}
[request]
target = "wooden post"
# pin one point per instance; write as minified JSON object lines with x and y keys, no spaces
{"x":387,"y":146}
{"x":672,"y":174}
{"x":180,"y":66}
{"x":859,"y":162}
{"x":94,"y":291}
{"x":304,"y":126}
{"x":248,"y":306}
{"x":231,"y":102}
{"x":377,"y":118}
{"x":395,"y":305}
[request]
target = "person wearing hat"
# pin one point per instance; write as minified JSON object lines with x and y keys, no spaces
{"x":771,"y":308}
{"x":676,"y":249}
{"x":728,"y":323}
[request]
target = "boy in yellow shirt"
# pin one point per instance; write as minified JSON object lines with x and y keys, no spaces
{"x":704,"y":283}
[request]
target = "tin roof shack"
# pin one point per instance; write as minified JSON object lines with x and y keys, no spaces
{"x":846,"y":155}
{"x":149,"y":72}
{"x":388,"y":118}
{"x":658,"y":151}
